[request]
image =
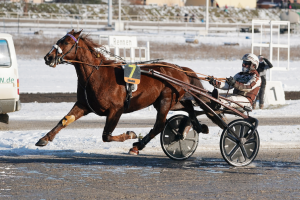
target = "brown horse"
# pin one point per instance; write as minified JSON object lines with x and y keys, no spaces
{"x":101,"y":89}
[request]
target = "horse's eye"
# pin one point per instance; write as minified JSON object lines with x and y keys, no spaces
{"x":66,"y":43}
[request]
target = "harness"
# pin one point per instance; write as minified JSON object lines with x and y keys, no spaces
{"x":60,"y":59}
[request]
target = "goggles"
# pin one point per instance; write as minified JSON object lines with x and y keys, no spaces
{"x":245,"y":63}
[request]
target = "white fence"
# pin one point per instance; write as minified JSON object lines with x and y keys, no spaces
{"x":274,"y":93}
{"x":271,"y":45}
{"x":126,"y":47}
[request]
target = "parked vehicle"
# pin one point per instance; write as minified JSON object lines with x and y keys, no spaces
{"x":292,"y":17}
{"x":9,"y":78}
{"x":268,"y":5}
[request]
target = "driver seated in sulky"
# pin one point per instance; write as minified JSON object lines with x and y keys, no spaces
{"x":246,"y":84}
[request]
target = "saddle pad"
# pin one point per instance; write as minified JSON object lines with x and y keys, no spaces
{"x":132,"y":74}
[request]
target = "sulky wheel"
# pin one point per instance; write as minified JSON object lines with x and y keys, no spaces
{"x":174,"y":144}
{"x":238,"y":147}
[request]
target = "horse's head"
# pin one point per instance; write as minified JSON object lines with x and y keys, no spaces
{"x":65,"y":48}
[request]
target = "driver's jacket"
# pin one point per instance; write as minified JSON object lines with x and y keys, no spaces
{"x":247,"y":84}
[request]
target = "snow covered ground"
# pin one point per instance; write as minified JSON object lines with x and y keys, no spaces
{"x":70,"y":141}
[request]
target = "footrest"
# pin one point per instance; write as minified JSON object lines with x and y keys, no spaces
{"x":247,"y":108}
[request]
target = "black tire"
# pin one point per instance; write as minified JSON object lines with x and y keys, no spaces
{"x":235,"y":148}
{"x":172,"y":144}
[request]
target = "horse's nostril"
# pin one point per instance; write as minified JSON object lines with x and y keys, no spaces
{"x":48,"y":59}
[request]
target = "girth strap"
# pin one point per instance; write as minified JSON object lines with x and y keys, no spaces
{"x":128,"y":95}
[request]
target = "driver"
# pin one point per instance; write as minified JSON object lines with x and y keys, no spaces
{"x":246,"y":84}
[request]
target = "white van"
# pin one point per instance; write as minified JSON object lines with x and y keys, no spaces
{"x":9,"y":78}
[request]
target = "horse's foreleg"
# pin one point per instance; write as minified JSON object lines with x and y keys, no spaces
{"x":110,"y":125}
{"x":75,"y":113}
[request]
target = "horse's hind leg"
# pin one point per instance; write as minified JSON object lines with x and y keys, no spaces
{"x":75,"y":113}
{"x":158,"y":127}
{"x":110,"y":125}
{"x":189,"y":108}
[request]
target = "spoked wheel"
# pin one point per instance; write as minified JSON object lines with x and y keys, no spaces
{"x":172,"y":141}
{"x":238,"y":146}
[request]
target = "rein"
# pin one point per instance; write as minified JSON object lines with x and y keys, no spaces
{"x":143,"y":65}
{"x":61,"y":59}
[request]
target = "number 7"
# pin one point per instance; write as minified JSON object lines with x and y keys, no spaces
{"x":132,"y":71}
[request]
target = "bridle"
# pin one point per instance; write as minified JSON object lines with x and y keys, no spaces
{"x":60,"y":59}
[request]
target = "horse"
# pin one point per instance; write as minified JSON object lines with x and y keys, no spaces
{"x":101,"y":89}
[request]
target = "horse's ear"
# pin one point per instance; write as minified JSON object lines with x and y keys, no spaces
{"x":77,"y":33}
{"x":71,"y":32}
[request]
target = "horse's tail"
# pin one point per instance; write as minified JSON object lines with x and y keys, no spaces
{"x":194,"y":80}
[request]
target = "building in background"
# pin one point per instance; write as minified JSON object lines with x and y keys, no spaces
{"x":61,"y":1}
{"x":277,"y":1}
{"x":222,"y":3}
{"x":283,"y":4}
{"x":28,"y":1}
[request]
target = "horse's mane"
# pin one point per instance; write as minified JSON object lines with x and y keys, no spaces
{"x":94,"y":49}
{"x":93,"y":46}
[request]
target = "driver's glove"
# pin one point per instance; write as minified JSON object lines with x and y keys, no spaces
{"x":230,"y":81}
{"x":211,"y":80}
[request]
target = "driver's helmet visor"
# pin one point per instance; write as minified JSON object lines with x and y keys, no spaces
{"x":246,"y":63}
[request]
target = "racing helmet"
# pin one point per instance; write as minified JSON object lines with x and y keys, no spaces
{"x":250,"y":59}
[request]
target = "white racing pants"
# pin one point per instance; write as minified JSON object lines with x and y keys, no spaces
{"x":237,"y":98}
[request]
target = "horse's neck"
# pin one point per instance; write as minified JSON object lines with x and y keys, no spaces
{"x":85,"y":56}
{"x":86,"y":66}
{"x":85,"y":73}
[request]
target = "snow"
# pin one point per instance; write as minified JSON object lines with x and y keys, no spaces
{"x":55,"y":111}
{"x":90,"y":141}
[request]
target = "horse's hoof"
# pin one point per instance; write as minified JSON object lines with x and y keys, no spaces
{"x":131,"y":134}
{"x":204,"y":128}
{"x":41,"y":143}
{"x":134,"y":151}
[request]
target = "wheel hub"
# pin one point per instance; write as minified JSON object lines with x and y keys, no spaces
{"x":243,"y":140}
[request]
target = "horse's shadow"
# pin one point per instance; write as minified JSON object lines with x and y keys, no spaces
{"x":210,"y":164}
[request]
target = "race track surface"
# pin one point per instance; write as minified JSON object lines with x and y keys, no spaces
{"x":274,"y":174}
